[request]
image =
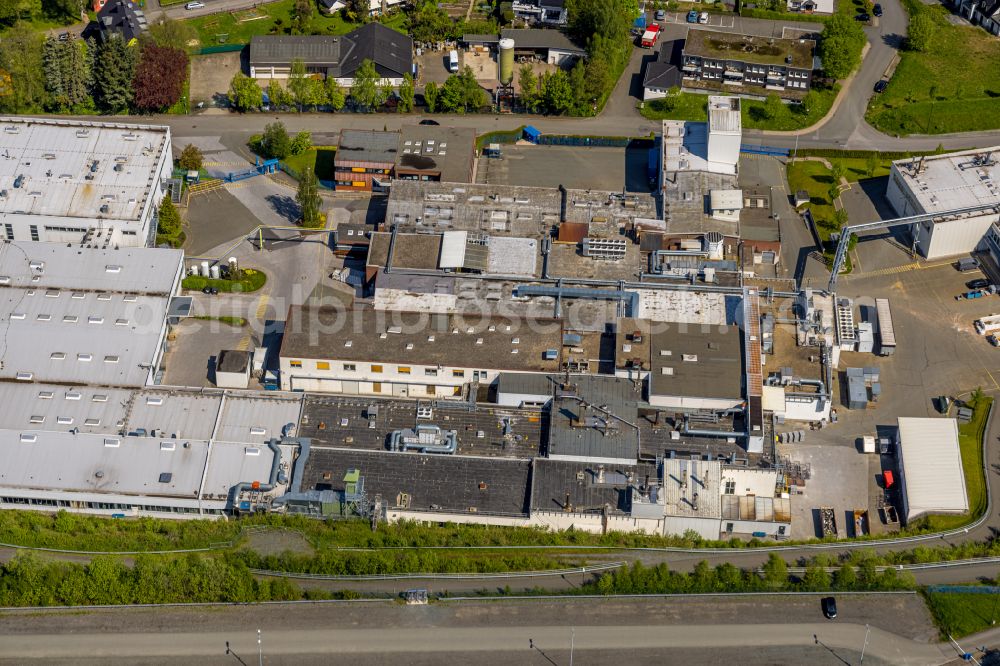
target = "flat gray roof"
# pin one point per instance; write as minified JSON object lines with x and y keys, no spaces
{"x":132,"y":270}
{"x":697,"y":361}
{"x":55,"y":160}
{"x":585,"y":427}
{"x":448,"y":152}
{"x":62,"y":408}
{"x":367,"y":146}
{"x":362,"y":334}
{"x":534,"y":38}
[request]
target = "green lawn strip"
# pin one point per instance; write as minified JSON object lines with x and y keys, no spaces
{"x":959,"y":614}
{"x":692,"y":106}
{"x":952,"y":87}
{"x":970,"y":441}
{"x":813,"y":177}
{"x":252,"y":281}
{"x":317,"y":158}
{"x":232,"y":321}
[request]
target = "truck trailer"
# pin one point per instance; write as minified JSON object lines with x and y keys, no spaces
{"x":886,"y":333}
{"x":987,"y":325}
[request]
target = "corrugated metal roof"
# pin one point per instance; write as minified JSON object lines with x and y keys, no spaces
{"x":931,"y":464}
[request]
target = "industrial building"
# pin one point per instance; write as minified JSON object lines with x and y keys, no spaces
{"x":81,"y":315}
{"x":70,"y":181}
{"x":334,"y":57}
{"x":363,"y":351}
{"x":930,"y":467}
{"x":747,"y":64}
{"x":436,"y":153}
{"x":942,"y":183}
{"x":695,"y":368}
{"x":549,"y":45}
{"x":365,"y":159}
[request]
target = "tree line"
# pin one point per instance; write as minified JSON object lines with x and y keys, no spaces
{"x":87,"y":76}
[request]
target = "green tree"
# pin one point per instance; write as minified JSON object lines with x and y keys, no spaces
{"x":12,"y":11}
{"x":921,"y":31}
{"x":301,"y":143}
{"x":837,"y":172}
{"x":429,"y":23}
{"x":406,"y":94}
{"x":173,"y":34}
{"x":276,"y":142}
{"x":244,"y":93}
{"x":840,"y":46}
{"x":278,"y":96}
{"x":22,"y":76}
{"x":169,"y":224}
{"x":302,"y":14}
{"x":528,"y":83}
{"x":872,"y":163}
{"x":335,"y":95}
{"x":356,"y":10}
{"x":810,"y":101}
{"x":191,"y":158}
{"x":816,"y":579}
{"x":113,"y":88}
{"x":64,"y":10}
{"x":775,"y":571}
{"x":365,"y":89}
{"x":431,"y":96}
{"x":557,"y":92}
{"x":384,"y":92}
{"x":774,"y":108}
{"x":309,"y":200}
{"x":298,"y":83}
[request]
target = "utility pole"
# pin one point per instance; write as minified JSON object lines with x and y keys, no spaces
{"x":260,"y":651}
{"x":865,"y":646}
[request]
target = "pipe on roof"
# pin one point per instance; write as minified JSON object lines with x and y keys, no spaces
{"x":235,"y":491}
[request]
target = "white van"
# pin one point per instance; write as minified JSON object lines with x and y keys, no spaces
{"x":453,"y":61}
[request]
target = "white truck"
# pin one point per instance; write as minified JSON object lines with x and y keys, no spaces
{"x":986,"y":325}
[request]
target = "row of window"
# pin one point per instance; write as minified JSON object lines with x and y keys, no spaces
{"x":105,"y":506}
{"x":377,"y":369}
{"x":346,"y":169}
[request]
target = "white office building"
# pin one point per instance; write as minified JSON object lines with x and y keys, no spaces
{"x":68,"y":181}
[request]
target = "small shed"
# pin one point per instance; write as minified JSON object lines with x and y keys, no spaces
{"x":232,"y":369}
{"x":801,"y":197}
{"x":531,"y":133}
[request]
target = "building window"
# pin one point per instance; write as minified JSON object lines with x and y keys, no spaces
{"x":403,"y":370}
{"x":458,"y":373}
{"x":295,"y":364}
{"x":377,"y":387}
{"x":34,"y":232}
{"x":377,"y":369}
{"x":430,"y":390}
{"x":322,"y":365}
{"x":730,"y":487}
{"x":10,"y":231}
{"x":431,"y":372}
{"x":349,"y":367}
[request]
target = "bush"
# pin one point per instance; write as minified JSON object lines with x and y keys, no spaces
{"x":249,"y":280}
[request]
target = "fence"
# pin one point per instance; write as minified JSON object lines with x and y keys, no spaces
{"x":221,"y":48}
{"x":763,"y":150}
{"x":569,"y":140}
{"x":325,"y":184}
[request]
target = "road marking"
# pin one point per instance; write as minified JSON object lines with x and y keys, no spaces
{"x":244,"y":344}
{"x":915,"y":266}
{"x":262,"y":307}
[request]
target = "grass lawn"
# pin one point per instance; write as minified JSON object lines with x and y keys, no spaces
{"x":962,"y":614}
{"x":692,"y":106}
{"x":952,"y":87}
{"x":318,"y":158}
{"x":970,"y":440}
{"x":276,"y":19}
{"x":813,"y":177}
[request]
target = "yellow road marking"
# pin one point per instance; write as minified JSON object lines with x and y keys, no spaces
{"x":262,"y":306}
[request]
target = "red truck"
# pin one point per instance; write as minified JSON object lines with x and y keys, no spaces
{"x":650,"y":36}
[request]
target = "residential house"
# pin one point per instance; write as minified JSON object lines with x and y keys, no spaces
{"x":662,"y":74}
{"x":747,"y":64}
{"x":551,"y":12}
{"x":337,"y":57}
{"x":985,"y":13}
{"x":117,"y":17}
{"x":375,"y":7}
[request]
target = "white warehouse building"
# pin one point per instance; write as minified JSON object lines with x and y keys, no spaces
{"x":930,"y":467}
{"x":940,"y":183}
{"x":68,"y":181}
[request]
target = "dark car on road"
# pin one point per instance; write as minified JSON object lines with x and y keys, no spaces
{"x":428,"y":121}
{"x":980,"y":283}
{"x":660,"y":15}
{"x":864,"y":17}
{"x":829,"y":605}
{"x":877,"y":10}
{"x":881,"y":86}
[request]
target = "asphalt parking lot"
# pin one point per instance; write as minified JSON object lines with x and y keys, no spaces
{"x":595,"y":168}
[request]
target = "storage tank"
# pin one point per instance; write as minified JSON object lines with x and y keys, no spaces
{"x":204,"y":268}
{"x":506,"y":61}
{"x":215,"y":271}
{"x":194,"y":269}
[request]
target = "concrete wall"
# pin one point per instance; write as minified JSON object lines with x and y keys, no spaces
{"x":707,"y":528}
{"x":948,"y":239}
{"x":686,"y":402}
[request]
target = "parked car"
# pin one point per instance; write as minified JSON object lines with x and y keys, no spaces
{"x":966,"y":264}
{"x":63,"y":36}
{"x":660,"y":15}
{"x":428,"y":121}
{"x":829,"y":605}
{"x":194,"y":5}
{"x":864,"y":17}
{"x":881,"y":86}
{"x":703,"y":17}
{"x":877,"y":9}
{"x":692,"y":16}
{"x":978,"y":283}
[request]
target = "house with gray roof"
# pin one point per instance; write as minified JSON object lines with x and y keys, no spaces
{"x":337,"y":57}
